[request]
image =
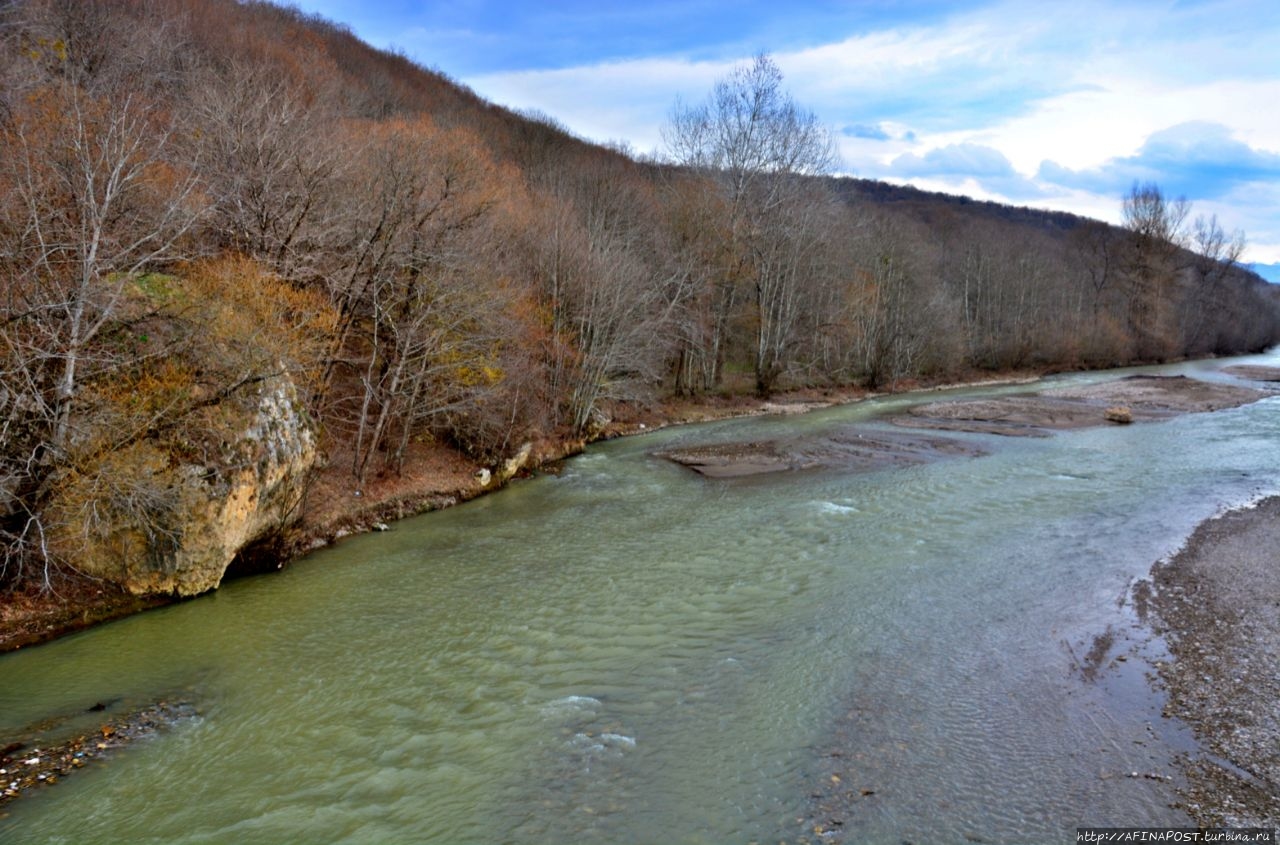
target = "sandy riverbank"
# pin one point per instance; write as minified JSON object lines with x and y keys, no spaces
{"x":853,"y":449}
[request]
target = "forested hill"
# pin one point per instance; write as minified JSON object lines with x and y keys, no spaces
{"x":931,"y":205}
{"x":211,"y":206}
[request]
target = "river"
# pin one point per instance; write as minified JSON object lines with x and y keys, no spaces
{"x":627,"y":652}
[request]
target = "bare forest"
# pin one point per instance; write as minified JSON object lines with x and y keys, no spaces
{"x":197,"y":196}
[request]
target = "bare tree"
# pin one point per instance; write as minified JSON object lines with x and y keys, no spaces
{"x":694,"y":220}
{"x":91,"y":198}
{"x":1217,"y":253}
{"x":415,"y":338}
{"x":272,"y":163}
{"x":1156,"y":236}
{"x":89,"y":211}
{"x":749,"y":130}
{"x":791,"y":261}
{"x":1098,"y":251}
{"x":897,"y":320}
{"x":611,"y":292}
{"x":754,"y":141}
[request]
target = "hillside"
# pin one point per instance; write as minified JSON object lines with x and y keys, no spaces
{"x":245,"y":257}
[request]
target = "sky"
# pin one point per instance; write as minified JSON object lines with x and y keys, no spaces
{"x":1050,"y":104}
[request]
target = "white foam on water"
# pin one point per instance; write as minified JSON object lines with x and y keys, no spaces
{"x":571,"y":703}
{"x":836,"y":508}
{"x":619,"y":739}
{"x":586,"y":743}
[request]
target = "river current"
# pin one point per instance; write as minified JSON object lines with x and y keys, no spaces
{"x":627,"y":652}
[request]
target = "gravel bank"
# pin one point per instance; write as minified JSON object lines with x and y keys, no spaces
{"x":853,"y":449}
{"x":45,"y":753}
{"x":1254,"y":372}
{"x":1133,"y":399}
{"x":1217,"y":603}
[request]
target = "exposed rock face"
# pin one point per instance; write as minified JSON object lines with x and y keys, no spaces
{"x":160,"y":528}
{"x":515,"y":463}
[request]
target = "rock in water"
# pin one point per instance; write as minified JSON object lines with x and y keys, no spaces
{"x":1118,"y":414}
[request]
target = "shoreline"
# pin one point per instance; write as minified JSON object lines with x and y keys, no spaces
{"x":1213,"y":607}
{"x":438,"y":477}
{"x":1217,"y":604}
{"x":41,"y":756}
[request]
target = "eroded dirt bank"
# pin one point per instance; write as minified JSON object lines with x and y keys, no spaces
{"x":1217,"y":604}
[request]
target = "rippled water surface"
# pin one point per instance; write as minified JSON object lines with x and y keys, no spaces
{"x":631,"y":653}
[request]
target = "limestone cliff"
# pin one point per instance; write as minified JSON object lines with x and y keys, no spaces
{"x":158,"y":525}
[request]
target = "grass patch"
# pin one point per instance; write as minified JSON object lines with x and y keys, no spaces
{"x":157,"y":287}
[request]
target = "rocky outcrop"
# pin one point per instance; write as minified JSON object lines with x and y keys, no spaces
{"x":507,"y":470}
{"x":156,"y":525}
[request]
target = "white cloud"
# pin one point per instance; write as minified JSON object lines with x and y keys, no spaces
{"x":618,"y":100}
{"x":1200,"y":159}
{"x":1085,"y":128}
{"x":1080,"y":86}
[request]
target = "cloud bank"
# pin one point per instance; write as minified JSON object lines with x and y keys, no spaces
{"x":1052,"y":105}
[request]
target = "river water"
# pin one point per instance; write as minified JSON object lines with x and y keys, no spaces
{"x":628,"y":652}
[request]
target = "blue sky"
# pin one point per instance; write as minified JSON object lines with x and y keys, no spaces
{"x":1048,"y":104}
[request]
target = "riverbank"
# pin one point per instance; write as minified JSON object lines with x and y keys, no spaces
{"x":1215,"y":607}
{"x":502,"y":639}
{"x":1135,"y":399}
{"x":435,"y":476}
{"x":1217,"y":604}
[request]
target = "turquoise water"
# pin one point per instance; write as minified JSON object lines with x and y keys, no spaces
{"x":628,"y":652}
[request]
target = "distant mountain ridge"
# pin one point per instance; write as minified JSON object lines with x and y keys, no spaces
{"x":1270,"y":272}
